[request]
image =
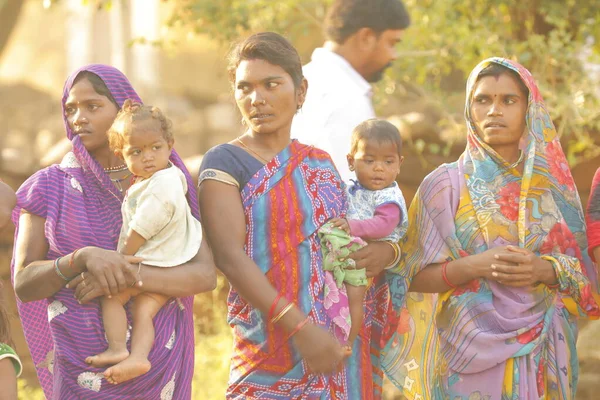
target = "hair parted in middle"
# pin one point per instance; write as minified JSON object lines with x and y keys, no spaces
{"x":496,"y":70}
{"x":270,"y":47}
{"x":378,"y":130}
{"x":98,"y":85}
{"x":132,"y":113}
{"x":346,"y":17}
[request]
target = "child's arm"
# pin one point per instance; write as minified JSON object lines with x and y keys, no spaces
{"x":341,"y":223}
{"x":132,"y":243}
{"x":153,"y":213}
{"x":386,"y":218}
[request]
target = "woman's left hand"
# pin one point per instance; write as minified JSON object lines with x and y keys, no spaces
{"x":375,"y":256}
{"x":87,"y":287}
{"x":528,"y":271}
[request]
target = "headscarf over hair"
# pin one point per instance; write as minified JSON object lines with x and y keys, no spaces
{"x":121,"y":90}
{"x":545,"y":162}
{"x":81,"y":207}
{"x":465,"y":208}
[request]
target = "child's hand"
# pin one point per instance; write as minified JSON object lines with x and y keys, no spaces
{"x":341,"y":223}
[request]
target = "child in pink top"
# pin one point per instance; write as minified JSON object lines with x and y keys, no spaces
{"x":376,"y":211}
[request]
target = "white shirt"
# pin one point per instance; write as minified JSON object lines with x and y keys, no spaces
{"x":158,"y":210}
{"x":338,"y":99}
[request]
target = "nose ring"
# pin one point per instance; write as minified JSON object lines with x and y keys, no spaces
{"x":263,"y":102}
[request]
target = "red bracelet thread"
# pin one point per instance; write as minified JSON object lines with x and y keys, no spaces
{"x":445,"y":277}
{"x":273,"y":306}
{"x":298,"y":327}
{"x":72,"y":260}
{"x":555,"y":286}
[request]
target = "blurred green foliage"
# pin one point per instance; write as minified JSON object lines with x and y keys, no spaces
{"x":549,"y":37}
{"x":445,"y":41}
{"x":227,"y":20}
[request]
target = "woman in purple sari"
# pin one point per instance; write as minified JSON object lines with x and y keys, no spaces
{"x":68,"y":219}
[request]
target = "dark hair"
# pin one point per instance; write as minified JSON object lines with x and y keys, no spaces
{"x":98,"y":85}
{"x":379,"y":130}
{"x":135,"y":112}
{"x":496,"y":70}
{"x":346,"y":17}
{"x":270,"y":47}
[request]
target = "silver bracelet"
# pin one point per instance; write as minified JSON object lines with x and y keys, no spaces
{"x":139,"y":277}
{"x":58,"y":272}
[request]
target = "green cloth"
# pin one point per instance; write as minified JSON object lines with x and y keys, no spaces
{"x":7,"y":352}
{"x":336,"y":245}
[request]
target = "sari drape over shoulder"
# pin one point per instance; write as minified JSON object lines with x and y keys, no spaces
{"x":285,"y":204}
{"x":82,"y":208}
{"x":485,"y":340}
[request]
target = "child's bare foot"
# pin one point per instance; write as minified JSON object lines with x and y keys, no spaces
{"x":127,"y":369}
{"x":108,"y":357}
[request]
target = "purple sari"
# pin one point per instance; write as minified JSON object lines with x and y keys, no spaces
{"x":83,"y":208}
{"x":483,"y":339}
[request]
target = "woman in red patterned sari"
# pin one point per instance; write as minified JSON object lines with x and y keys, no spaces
{"x":263,"y":198}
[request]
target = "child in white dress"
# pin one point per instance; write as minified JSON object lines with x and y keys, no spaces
{"x":158,"y":227}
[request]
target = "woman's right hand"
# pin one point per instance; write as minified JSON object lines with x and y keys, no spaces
{"x":321,"y":351}
{"x":481,"y":264}
{"x":110,"y":269}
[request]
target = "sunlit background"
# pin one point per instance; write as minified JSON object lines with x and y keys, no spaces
{"x":174,"y":51}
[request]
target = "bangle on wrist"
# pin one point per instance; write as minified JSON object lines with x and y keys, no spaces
{"x":397,"y":255}
{"x":553,"y":263}
{"x":445,"y":276}
{"x":283,"y":311}
{"x":274,"y":306}
{"x":58,"y":271}
{"x":139,"y":278}
{"x":72,"y":261}
{"x":298,"y":327}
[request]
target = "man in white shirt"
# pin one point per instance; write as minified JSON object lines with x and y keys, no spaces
{"x":361,"y":40}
